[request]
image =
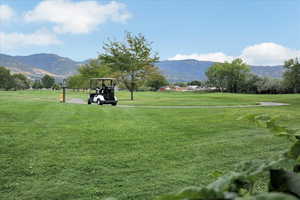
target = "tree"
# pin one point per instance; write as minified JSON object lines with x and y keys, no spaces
{"x":37,"y":84}
{"x":48,"y":81}
{"x":180,"y":84}
{"x":195,"y":82}
{"x":77,"y":81}
{"x":268,"y":85}
{"x":216,"y":76}
{"x":292,"y":74}
{"x":229,"y":76}
{"x":55,"y":86}
{"x":128,"y":60}
{"x":6,"y":80}
{"x":94,"y":69}
{"x":21,"y":82}
{"x":155,"y":79}
{"x":251,"y":84}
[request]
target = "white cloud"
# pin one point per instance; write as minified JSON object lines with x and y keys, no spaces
{"x":6,"y":13}
{"x":17,"y":40}
{"x":268,"y":54}
{"x":259,"y":54}
{"x":77,"y":17}
{"x":215,"y":57}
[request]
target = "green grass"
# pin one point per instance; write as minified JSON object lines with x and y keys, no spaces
{"x":159,"y":98}
{"x":50,"y":150}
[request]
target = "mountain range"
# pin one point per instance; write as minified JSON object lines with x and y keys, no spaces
{"x":37,"y":65}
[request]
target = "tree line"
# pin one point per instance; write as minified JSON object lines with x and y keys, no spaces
{"x":236,"y":77}
{"x":19,"y":81}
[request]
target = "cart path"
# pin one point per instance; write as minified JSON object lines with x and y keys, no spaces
{"x":76,"y":101}
{"x":260,"y":104}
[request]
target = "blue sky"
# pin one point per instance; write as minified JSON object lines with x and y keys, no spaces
{"x":263,"y":32}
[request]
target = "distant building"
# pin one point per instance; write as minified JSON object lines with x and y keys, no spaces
{"x":166,"y":88}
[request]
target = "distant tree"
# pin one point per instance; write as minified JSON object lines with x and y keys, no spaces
{"x":155,"y":79}
{"x":251,"y":84}
{"x":128,"y":60}
{"x":55,"y":86}
{"x":48,"y":81}
{"x":292,"y":75}
{"x":6,"y":80}
{"x":268,"y":85}
{"x":231,"y":76}
{"x":216,"y":76}
{"x":94,"y":69}
{"x":37,"y":84}
{"x":77,"y":81}
{"x":21,"y":82}
{"x":195,"y":82}
{"x":180,"y":84}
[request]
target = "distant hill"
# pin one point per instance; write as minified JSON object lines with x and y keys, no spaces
{"x":184,"y":70}
{"x":37,"y":65}
{"x":269,"y":71}
{"x":188,"y":70}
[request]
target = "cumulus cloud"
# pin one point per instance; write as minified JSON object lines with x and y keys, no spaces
{"x":15,"y":40}
{"x":215,"y":57}
{"x":268,"y":54}
{"x":77,"y":17}
{"x":259,"y":54}
{"x":6,"y":13}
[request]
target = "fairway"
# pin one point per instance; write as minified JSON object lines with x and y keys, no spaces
{"x":54,"y":151}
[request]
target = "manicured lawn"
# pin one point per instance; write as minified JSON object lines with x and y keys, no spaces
{"x":50,"y":150}
{"x":157,"y":98}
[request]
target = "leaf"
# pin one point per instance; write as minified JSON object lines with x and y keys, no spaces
{"x":269,"y":196}
{"x":297,"y":168}
{"x":249,"y":117}
{"x":285,"y":181}
{"x":216,"y":174}
{"x":294,"y":152}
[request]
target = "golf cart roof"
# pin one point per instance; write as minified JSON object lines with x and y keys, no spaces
{"x":102,"y":79}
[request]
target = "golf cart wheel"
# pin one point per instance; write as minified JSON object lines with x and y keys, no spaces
{"x":114,"y":104}
{"x":99,"y":102}
{"x":89,"y":101}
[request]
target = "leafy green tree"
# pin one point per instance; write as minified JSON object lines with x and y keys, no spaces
{"x":129,"y":59}
{"x":77,"y":81}
{"x":251,"y":84}
{"x":292,"y":74}
{"x":37,"y":84}
{"x":21,"y":81}
{"x":229,"y":76}
{"x":94,"y":69}
{"x":56,"y":86}
{"x":6,"y":80}
{"x":180,"y":84}
{"x":268,"y":85}
{"x":155,"y":79}
{"x":216,"y":76}
{"x":195,"y":82}
{"x":48,"y":81}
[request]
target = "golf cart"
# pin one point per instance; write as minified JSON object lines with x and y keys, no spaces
{"x":104,"y":91}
